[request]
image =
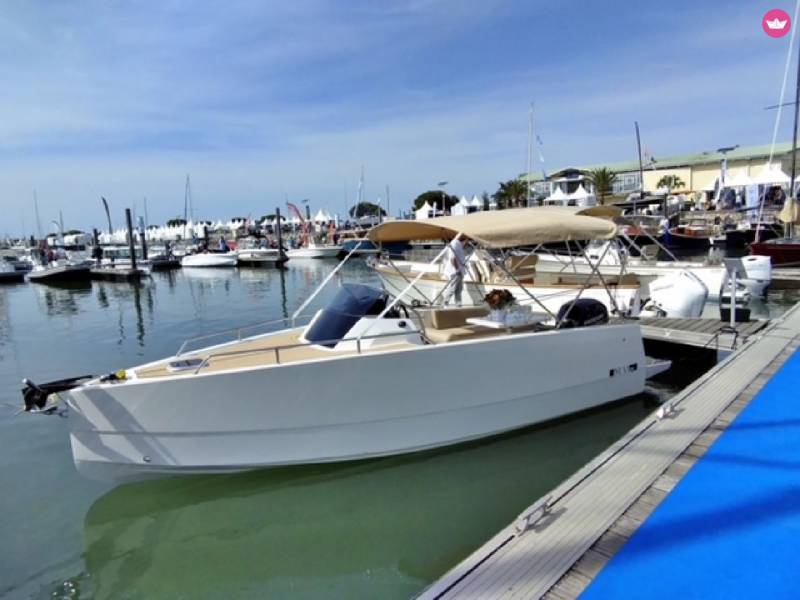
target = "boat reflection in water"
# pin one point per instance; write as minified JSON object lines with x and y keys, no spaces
{"x":376,"y":528}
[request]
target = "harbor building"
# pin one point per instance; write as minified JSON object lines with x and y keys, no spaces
{"x":699,"y":172}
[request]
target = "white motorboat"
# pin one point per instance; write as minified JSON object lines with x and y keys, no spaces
{"x":210,"y":259}
{"x":251,"y":253}
{"x":8,"y":274}
{"x":314,"y":250}
{"x":427,"y":377}
{"x":611,"y":259}
{"x":60,"y":271}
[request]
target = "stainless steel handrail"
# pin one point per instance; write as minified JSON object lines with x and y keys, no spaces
{"x":234,"y":330}
{"x":277,"y":349}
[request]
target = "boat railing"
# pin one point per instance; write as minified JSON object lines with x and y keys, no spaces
{"x":239,"y":331}
{"x":276,"y":350}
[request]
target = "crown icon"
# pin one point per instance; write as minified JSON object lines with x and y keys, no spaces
{"x":776,"y":24}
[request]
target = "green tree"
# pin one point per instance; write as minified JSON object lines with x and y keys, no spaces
{"x":487,"y":200}
{"x":511,"y":193}
{"x":603,"y":181}
{"x":176,"y":222}
{"x":670,"y":182}
{"x":366,"y":209}
{"x":434,"y":198}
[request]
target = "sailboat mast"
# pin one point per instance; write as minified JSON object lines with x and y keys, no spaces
{"x":185,"y":205}
{"x":641,"y":169}
{"x":38,"y":221}
{"x":794,"y":142}
{"x":530,"y":158}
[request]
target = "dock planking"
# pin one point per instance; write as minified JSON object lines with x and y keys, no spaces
{"x":701,"y":333}
{"x":603,"y":504}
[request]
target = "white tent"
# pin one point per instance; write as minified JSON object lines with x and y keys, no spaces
{"x":423,"y":212}
{"x":711,"y":186}
{"x":582,"y":197}
{"x":741,"y":179}
{"x":476,"y":203}
{"x":461,"y":207}
{"x":322,"y":217}
{"x":557,"y":197}
{"x":771,"y":174}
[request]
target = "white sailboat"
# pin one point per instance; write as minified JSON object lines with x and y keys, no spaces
{"x":267,"y":400}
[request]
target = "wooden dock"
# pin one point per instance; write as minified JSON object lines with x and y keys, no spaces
{"x":560,"y":542}
{"x":700,"y":333}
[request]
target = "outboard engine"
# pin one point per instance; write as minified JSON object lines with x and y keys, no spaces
{"x":582,"y":313}
{"x":35,"y":396}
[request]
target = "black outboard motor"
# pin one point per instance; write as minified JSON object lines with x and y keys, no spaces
{"x":582,"y":313}
{"x":35,"y":396}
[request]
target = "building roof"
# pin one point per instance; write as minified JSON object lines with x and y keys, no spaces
{"x":682,"y":160}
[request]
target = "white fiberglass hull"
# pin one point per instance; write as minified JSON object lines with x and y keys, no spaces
{"x":626,"y":298}
{"x":712,"y":276}
{"x":210,"y":259}
{"x":406,"y":400}
{"x":259,"y":255}
{"x":315,"y":252}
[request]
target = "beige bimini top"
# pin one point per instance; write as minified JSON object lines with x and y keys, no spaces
{"x":501,"y":228}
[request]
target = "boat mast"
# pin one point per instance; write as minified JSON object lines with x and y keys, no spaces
{"x":641,"y":169}
{"x":793,"y":194}
{"x":530,"y":158}
{"x":185,"y":205}
{"x":36,"y":209}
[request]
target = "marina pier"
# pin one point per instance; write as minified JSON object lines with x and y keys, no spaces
{"x":562,"y":541}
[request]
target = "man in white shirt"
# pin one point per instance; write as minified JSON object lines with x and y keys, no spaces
{"x":455,"y":266}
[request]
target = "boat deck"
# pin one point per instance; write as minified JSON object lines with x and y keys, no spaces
{"x":559,"y":544}
{"x":701,"y":333}
{"x":281,"y":348}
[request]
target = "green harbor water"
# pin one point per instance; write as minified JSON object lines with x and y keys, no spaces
{"x":381,"y":528}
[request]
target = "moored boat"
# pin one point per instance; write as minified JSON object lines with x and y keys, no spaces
{"x":267,"y":400}
{"x":60,"y":271}
{"x":314,"y":250}
{"x":210,"y":259}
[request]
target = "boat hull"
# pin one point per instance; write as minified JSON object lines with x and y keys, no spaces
{"x":260,"y":257}
{"x":782,"y":252}
{"x":289,"y":414}
{"x":12,"y":276}
{"x":713,"y":276}
{"x":209,"y":259}
{"x":319,"y":252}
{"x":61,"y":274}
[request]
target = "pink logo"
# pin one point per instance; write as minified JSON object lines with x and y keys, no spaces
{"x":776,"y":23}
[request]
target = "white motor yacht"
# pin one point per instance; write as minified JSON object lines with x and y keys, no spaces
{"x":611,"y":259}
{"x":250,"y":252}
{"x":314,"y":250}
{"x":210,"y":259}
{"x":426,"y":377}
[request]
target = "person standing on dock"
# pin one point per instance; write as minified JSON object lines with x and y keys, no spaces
{"x":454,"y":270}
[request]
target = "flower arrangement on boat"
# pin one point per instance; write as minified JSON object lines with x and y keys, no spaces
{"x":499,"y":299}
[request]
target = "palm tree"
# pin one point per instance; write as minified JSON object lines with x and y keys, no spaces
{"x":511,"y":193}
{"x":603,"y":181}
{"x":670,"y":182}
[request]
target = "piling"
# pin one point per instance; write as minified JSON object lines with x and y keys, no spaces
{"x":279,"y":232}
{"x":131,"y":245}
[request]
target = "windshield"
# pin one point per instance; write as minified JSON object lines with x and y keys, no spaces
{"x":352,"y":302}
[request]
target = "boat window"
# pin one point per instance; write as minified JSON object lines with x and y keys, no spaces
{"x":352,"y":302}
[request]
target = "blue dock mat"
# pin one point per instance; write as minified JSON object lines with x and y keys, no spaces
{"x":731,"y":527}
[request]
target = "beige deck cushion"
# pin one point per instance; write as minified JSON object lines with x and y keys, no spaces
{"x":446,"y":318}
{"x":456,"y":334}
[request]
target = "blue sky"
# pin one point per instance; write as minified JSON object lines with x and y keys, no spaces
{"x":259,"y":99}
